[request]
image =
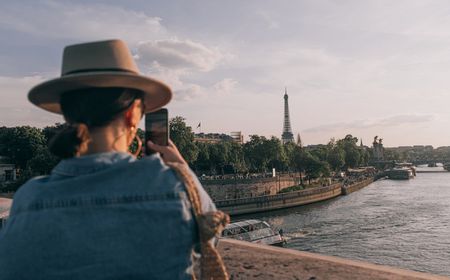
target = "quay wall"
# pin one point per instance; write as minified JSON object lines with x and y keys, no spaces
{"x":278,"y":201}
{"x":432,"y":171}
{"x":245,"y":260}
{"x":348,"y":189}
{"x":236,"y":189}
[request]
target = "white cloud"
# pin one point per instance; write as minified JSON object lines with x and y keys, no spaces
{"x":189,"y":91}
{"x":225,"y":86}
{"x":157,"y":52}
{"x":174,"y":61}
{"x":178,"y":54}
{"x":15,"y":109}
{"x":13,"y":90}
{"x":69,"y":20}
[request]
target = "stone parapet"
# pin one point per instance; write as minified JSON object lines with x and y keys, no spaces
{"x":356,"y":186}
{"x":236,"y":189}
{"x":279,"y":201}
{"x":246,"y":260}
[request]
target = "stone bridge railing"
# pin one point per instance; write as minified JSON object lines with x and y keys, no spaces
{"x":246,"y":260}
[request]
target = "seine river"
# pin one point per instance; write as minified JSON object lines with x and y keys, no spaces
{"x":398,"y":223}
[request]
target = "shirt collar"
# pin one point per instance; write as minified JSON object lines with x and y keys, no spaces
{"x":90,"y":163}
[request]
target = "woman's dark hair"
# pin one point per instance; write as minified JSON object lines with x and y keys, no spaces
{"x":86,"y":109}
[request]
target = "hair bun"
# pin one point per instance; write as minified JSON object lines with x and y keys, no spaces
{"x":70,"y":141}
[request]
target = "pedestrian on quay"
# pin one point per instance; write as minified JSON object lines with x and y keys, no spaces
{"x":101,"y":213}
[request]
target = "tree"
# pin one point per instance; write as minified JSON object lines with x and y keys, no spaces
{"x":392,"y":155}
{"x":236,"y":157}
{"x":21,"y":144}
{"x":27,"y":147}
{"x":352,"y":154}
{"x":336,"y":158}
{"x":183,"y":138}
{"x":309,"y":165}
{"x":219,"y":156}
{"x":261,"y":153}
{"x":52,"y":130}
{"x":223,"y":157}
{"x":315,"y":168}
{"x":202,"y":163}
{"x":320,"y":152}
{"x":254,"y":153}
{"x":365,"y":156}
{"x":276,"y":156}
{"x":289,"y":150}
{"x":43,"y":162}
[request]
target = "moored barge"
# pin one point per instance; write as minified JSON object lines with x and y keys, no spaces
{"x":400,"y":173}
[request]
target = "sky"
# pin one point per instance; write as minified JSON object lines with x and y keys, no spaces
{"x":367,"y":68}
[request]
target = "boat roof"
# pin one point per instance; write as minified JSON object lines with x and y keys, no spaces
{"x":401,"y":168}
{"x":4,"y":214}
{"x":243,"y":223}
{"x":5,"y":205}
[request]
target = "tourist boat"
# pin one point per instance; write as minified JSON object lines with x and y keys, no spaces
{"x":400,"y":173}
{"x":432,"y":164}
{"x":254,"y":231}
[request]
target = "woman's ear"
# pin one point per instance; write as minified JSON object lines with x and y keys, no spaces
{"x":128,"y":117}
{"x":134,"y":115}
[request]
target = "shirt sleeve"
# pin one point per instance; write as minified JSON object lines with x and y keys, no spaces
{"x":206,"y":201}
{"x":207,"y":206}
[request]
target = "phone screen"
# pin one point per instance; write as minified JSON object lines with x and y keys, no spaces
{"x":157,"y":128}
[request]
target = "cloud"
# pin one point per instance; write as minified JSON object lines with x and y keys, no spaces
{"x":156,"y":50}
{"x":366,"y":124}
{"x":16,"y":109}
{"x":28,"y":116}
{"x":158,"y":53}
{"x":14,"y":89}
{"x":69,"y":20}
{"x":187,"y":92}
{"x":224,"y":86}
{"x":178,"y":54}
{"x":174,"y":61}
{"x":268,"y":19}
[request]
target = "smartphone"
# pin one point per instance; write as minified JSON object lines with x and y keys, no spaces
{"x":156,"y":129}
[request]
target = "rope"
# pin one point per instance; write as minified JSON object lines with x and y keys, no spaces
{"x":210,"y":225}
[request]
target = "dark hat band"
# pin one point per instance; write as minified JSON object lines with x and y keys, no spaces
{"x":99,"y":70}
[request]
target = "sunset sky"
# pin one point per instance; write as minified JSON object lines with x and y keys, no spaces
{"x":361,"y":67}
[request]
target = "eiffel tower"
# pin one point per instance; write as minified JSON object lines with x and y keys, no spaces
{"x":287,"y":135}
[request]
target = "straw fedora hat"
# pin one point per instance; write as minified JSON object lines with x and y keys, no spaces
{"x":99,"y":64}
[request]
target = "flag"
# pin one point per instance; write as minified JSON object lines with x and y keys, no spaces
{"x":199,"y":125}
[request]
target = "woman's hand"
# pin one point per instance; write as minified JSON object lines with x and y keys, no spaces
{"x":169,"y":153}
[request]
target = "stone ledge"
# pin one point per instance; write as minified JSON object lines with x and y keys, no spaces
{"x":246,"y":260}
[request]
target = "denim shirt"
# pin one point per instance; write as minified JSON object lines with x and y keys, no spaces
{"x":101,"y":216}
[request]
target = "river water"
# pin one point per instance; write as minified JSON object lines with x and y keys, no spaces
{"x":398,"y":223}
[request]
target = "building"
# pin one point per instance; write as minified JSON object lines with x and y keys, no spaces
{"x":213,"y":138}
{"x":238,"y":137}
{"x":287,"y":135}
{"x":7,"y":170}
